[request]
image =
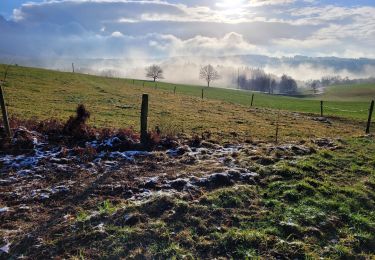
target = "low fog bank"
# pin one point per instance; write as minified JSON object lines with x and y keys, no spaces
{"x":307,"y":71}
{"x":186,"y":69}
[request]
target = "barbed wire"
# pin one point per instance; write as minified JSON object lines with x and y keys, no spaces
{"x":344,"y":110}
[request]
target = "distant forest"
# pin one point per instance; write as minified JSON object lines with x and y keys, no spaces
{"x":259,"y":80}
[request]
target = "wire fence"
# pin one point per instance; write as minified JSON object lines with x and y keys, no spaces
{"x":345,"y":110}
{"x":201,"y":91}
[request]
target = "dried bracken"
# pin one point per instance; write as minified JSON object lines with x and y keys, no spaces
{"x":76,"y":126}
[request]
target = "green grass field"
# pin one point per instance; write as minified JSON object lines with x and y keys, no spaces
{"x":346,"y":101}
{"x":357,"y":93}
{"x":350,"y":101}
{"x":43,"y":94}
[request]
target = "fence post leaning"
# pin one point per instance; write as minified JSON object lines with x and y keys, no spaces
{"x":277,"y":127}
{"x":321,"y":108}
{"x":144,"y":115}
{"x":369,"y":117}
{"x":3,"y":105}
{"x":4,"y":112}
{"x":252,"y":99}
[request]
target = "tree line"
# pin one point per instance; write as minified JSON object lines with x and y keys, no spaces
{"x":326,"y":81}
{"x":250,"y":79}
{"x":258,"y":80}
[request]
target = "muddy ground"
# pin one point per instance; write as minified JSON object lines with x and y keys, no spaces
{"x":44,"y":187}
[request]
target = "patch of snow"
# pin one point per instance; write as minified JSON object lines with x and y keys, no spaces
{"x":4,"y":209}
{"x":5,"y":248}
{"x":59,"y":189}
{"x":111,"y":141}
{"x":100,"y":228}
{"x":145,"y":194}
{"x":128,"y":155}
{"x":44,"y":196}
{"x":23,"y":207}
{"x":24,"y":172}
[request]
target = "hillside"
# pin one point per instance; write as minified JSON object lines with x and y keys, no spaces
{"x":44,"y":94}
{"x":211,"y":183}
{"x":357,"y":93}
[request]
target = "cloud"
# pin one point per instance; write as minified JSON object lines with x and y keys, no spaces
{"x":270,"y":2}
{"x":230,"y":44}
{"x":166,"y":28}
{"x":117,"y":34}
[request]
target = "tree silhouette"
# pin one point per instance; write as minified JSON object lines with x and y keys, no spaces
{"x":155,"y":72}
{"x":208,"y":73}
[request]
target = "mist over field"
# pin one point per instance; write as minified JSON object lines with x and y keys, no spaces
{"x":186,"y":69}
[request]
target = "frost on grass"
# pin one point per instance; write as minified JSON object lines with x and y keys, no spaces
{"x":215,"y":200}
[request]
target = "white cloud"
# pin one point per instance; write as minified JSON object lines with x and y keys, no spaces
{"x":175,"y":28}
{"x":270,"y":2}
{"x":127,"y":20}
{"x":117,"y":34}
{"x":230,"y":44}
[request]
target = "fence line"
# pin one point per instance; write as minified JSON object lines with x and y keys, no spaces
{"x":344,"y":110}
{"x":174,"y":89}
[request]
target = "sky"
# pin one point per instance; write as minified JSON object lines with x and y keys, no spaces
{"x":173,"y":28}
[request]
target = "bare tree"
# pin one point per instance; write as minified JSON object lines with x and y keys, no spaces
{"x":314,"y":84}
{"x":272,"y":85}
{"x":287,"y":85}
{"x":155,"y":72}
{"x":208,"y":73}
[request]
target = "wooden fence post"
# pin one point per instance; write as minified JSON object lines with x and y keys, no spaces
{"x":321,"y":108}
{"x":252,"y":99}
{"x":369,"y":117}
{"x":277,"y":127}
{"x":4,"y":112}
{"x":133,"y":81}
{"x":143,"y":84}
{"x":174,"y":90}
{"x":144,"y":115}
{"x":3,"y":105}
{"x":202,"y":93}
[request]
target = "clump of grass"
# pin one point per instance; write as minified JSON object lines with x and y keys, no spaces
{"x":106,"y":208}
{"x":241,"y":243}
{"x":169,"y":250}
{"x":82,"y":216}
{"x":235,"y":197}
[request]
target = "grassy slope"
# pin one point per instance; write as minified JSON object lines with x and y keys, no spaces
{"x":344,"y":98}
{"x":358,"y":93}
{"x":115,"y":103}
